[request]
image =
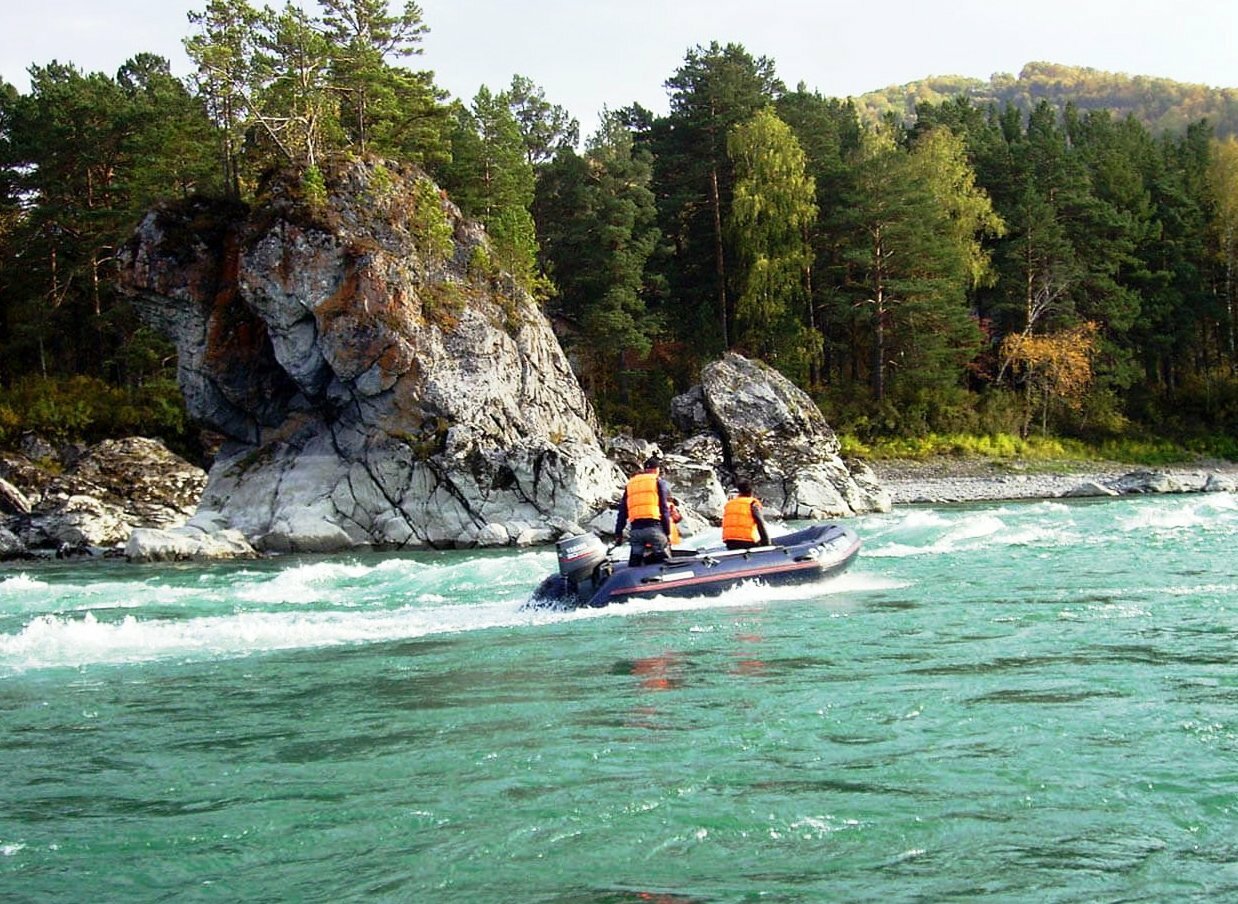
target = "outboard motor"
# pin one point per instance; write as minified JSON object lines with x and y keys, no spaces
{"x":578,"y":556}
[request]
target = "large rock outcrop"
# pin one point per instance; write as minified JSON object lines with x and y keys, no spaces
{"x":378,"y":380}
{"x":80,"y":500}
{"x":749,"y":421}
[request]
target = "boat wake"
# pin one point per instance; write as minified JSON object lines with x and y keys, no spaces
{"x":316,"y":605}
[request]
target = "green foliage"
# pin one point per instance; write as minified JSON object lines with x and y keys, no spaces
{"x":881,"y":266}
{"x":430,"y":223}
{"x":640,"y":404}
{"x":288,"y":87}
{"x":772,"y":212}
{"x":314,"y":187}
{"x":545,"y":128}
{"x":964,"y":445}
{"x":442,"y":303}
{"x":381,"y":107}
{"x":598,"y":229}
{"x":86,"y":409}
{"x":1150,"y":451}
{"x":717,"y":88}
{"x":82,"y":157}
{"x":481,"y":264}
{"x":901,"y":270}
{"x":381,"y":186}
{"x":491,"y":178}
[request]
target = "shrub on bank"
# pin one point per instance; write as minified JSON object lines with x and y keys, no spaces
{"x":1146,"y":451}
{"x":87,"y":409}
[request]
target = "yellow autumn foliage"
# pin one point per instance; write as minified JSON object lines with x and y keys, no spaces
{"x":1055,"y":365}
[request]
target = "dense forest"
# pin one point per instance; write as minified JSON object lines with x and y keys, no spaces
{"x":978,"y":263}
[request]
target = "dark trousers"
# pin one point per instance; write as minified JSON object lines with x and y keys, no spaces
{"x":649,"y":544}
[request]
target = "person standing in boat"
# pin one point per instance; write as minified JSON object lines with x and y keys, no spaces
{"x":743,"y":527}
{"x":646,"y":504}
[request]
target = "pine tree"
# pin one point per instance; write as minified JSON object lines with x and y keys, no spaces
{"x":224,"y":51}
{"x":384,"y":107}
{"x":546,"y":128}
{"x":491,"y":178}
{"x":1223,"y":184}
{"x":772,"y":211}
{"x":597,"y":226}
{"x":717,"y":88}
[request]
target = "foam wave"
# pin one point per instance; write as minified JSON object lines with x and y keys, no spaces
{"x":67,"y":639}
{"x":60,"y":641}
{"x":1218,"y":590}
{"x":941,"y":536}
{"x":403,"y":578}
{"x":1216,"y":511}
{"x":21,"y":583}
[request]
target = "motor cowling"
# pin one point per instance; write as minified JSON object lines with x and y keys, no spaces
{"x":578,"y":556}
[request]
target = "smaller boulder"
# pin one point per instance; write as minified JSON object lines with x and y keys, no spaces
{"x":11,"y":547}
{"x":1090,"y":488}
{"x":1138,"y":482}
{"x":186,"y":544}
{"x":1220,"y":483}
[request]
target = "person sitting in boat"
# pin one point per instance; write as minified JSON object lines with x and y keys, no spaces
{"x":676,"y":517}
{"x":742,"y":524}
{"x":646,"y":503}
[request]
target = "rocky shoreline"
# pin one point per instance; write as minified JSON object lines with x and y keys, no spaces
{"x":121,"y":496}
{"x":963,"y":480}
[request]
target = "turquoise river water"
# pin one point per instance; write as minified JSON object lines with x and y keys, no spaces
{"x":1013,"y":702}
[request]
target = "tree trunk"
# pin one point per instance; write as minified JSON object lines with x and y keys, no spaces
{"x":878,"y":375}
{"x":715,"y":200}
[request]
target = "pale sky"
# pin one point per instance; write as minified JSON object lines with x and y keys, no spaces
{"x":590,"y":54}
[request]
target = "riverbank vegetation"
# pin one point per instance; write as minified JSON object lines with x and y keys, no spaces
{"x":1032,"y":267}
{"x":1036,"y":448}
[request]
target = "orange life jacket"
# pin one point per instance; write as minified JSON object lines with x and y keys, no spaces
{"x":737,"y":520}
{"x":676,"y":517}
{"x":642,"y":496}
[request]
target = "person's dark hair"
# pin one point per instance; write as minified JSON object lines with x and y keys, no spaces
{"x":744,"y":487}
{"x":652,"y":462}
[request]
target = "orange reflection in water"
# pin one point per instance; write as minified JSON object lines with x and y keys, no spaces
{"x":746,"y":662}
{"x":655,"y":672}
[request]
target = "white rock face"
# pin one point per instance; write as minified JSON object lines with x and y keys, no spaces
{"x":375,"y":391}
{"x":186,"y":544}
{"x":765,"y":429}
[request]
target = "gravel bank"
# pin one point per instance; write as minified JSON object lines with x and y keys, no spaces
{"x":979,"y":480}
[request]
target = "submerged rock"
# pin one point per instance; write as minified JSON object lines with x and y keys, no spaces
{"x":379,"y":381}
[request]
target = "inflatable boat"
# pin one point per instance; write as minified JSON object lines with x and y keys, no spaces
{"x":589,"y":577}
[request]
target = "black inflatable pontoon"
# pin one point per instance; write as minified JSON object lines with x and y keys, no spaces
{"x":588,"y":577}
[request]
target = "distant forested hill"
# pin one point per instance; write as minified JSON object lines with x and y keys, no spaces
{"x":1160,"y":104}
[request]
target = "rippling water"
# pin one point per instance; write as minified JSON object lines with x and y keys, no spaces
{"x":1020,"y":702}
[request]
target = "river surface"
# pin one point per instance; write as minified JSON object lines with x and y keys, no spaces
{"x":1013,"y":702}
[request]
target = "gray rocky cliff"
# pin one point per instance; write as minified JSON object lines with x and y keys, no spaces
{"x":378,"y":381}
{"x":747,"y":420}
